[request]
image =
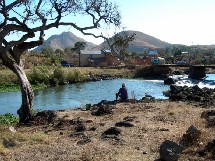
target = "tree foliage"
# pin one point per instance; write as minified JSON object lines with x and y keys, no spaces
{"x":120,"y":42}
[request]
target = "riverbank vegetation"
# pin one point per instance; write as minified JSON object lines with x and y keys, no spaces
{"x":45,"y":76}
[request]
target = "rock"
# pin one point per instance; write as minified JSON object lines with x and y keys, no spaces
{"x":177,"y":72}
{"x":47,"y":115}
{"x":92,"y":129}
{"x":83,"y":141}
{"x":170,"y":151}
{"x":163,"y":129}
{"x":145,"y":152}
{"x":196,"y":88}
{"x":210,"y":121}
{"x":124,"y":124}
{"x":191,"y":137}
{"x":129,"y":118}
{"x":209,"y":116}
{"x":206,"y":114}
{"x":209,"y":148}
{"x":169,"y":81}
{"x":176,"y":97}
{"x":175,"y":89}
{"x":112,"y":131}
{"x":102,"y":110}
{"x":89,"y":121}
{"x":79,"y":124}
{"x":78,"y":134}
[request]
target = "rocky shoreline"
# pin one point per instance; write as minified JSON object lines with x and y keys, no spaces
{"x":180,"y":128}
{"x":142,"y":130}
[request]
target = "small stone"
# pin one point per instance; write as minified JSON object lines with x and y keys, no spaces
{"x":144,"y":152}
{"x":164,"y":129}
{"x":89,"y":121}
{"x":124,"y":124}
{"x":84,"y":141}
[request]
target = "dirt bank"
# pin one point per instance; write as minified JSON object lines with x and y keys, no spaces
{"x":80,"y":136}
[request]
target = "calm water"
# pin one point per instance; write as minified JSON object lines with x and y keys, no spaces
{"x":78,"y":95}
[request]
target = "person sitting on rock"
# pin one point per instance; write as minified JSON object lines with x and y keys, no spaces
{"x":123,"y":93}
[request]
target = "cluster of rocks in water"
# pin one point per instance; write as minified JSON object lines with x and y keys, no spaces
{"x":202,"y":96}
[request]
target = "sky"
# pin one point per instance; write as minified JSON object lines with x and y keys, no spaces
{"x":188,"y":22}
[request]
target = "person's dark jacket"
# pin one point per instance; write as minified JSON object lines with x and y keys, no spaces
{"x":123,"y":93}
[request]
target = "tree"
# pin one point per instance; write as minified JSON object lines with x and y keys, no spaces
{"x":31,"y":18}
{"x":78,"y":47}
{"x":120,"y":42}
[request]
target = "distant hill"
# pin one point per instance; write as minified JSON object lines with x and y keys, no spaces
{"x":67,"y":39}
{"x":62,"y":41}
{"x":142,"y":42}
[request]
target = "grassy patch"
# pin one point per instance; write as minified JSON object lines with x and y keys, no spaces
{"x":8,"y":119}
{"x":12,"y":140}
{"x":9,"y":87}
{"x":38,"y":137}
{"x":16,"y":87}
{"x":3,"y":150}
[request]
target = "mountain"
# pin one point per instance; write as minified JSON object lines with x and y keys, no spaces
{"x":62,"y":41}
{"x":141,"y":42}
{"x":67,"y":39}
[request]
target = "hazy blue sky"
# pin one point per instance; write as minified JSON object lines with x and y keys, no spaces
{"x":175,"y":21}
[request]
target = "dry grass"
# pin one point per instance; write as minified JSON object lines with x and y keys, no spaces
{"x":100,"y":71}
{"x":153,"y":123}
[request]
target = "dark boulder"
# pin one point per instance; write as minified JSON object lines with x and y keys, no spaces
{"x":209,"y":150}
{"x":209,"y":116}
{"x":103,"y":109}
{"x":170,"y":151}
{"x":175,"y":89}
{"x":197,"y":89}
{"x":112,"y":131}
{"x":169,"y":81}
{"x":191,"y":137}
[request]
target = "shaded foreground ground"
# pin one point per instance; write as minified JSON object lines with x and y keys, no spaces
{"x":154,"y":122}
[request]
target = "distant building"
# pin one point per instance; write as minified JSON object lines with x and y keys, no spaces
{"x":97,"y":58}
{"x":152,"y":53}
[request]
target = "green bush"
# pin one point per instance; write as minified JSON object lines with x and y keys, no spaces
{"x":58,"y":77}
{"x":8,"y":78}
{"x":76,"y":76}
{"x":9,"y":87}
{"x":39,"y":75}
{"x":8,"y":119}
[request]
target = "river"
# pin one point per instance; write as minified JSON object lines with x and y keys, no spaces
{"x":78,"y":95}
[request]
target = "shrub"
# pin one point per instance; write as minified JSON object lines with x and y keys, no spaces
{"x":76,"y":76}
{"x":58,"y":77}
{"x":39,"y":75}
{"x":8,"y":119}
{"x":8,"y":77}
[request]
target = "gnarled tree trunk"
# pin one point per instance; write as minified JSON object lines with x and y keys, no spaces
{"x":27,"y":93}
{"x":27,"y":96}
